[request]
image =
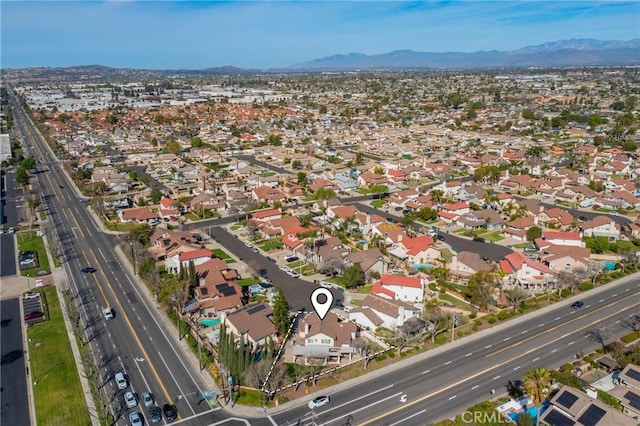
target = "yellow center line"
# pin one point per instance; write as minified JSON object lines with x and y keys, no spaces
{"x":104,"y":296}
{"x":135,"y":335}
{"x":446,"y":388}
{"x":556,"y":327}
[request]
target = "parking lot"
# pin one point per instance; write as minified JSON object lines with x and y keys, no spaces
{"x":33,"y":308}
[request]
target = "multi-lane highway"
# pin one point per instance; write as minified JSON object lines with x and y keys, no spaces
{"x":420,"y":390}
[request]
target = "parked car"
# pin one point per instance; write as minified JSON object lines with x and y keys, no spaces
{"x":291,"y":258}
{"x":135,"y":419}
{"x":440,"y":237}
{"x":31,"y":295}
{"x":147,"y":399}
{"x":131,"y":399}
{"x":155,"y":414}
{"x":318,"y":402}
{"x":121,"y":381}
{"x":169,"y":412}
{"x":33,"y":315}
{"x":479,"y":239}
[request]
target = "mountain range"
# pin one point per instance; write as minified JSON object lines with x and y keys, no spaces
{"x":563,"y":53}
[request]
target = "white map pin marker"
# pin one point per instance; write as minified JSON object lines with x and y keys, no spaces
{"x":321,"y":308}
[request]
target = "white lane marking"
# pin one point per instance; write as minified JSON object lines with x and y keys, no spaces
{"x":488,"y":346}
{"x":626,"y":290}
{"x":524,"y":332}
{"x":601,"y":300}
{"x":554,"y":351}
{"x":617,"y":322}
{"x":469,"y":354}
{"x":447,"y":363}
{"x":506,"y":338}
{"x":425,"y":372}
{"x":407,"y":418}
{"x":536,"y":359}
{"x":273,"y":422}
{"x":453,"y":397}
{"x":475,"y":387}
{"x":496,"y":378}
{"x":570,"y":343}
{"x":614,"y":295}
{"x":557,"y":318}
{"x":355,"y":411}
{"x":516,"y":368}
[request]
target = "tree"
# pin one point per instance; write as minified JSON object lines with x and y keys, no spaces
{"x":22,"y":176}
{"x":567,"y":280}
{"x":536,"y":384}
{"x":324,"y":194}
{"x":439,"y":320}
{"x":174,"y":147}
{"x":516,"y":296}
{"x":296,"y":164}
{"x":28,"y":163}
{"x":533,"y":233}
{"x":196,"y":142}
{"x":281,"y":318}
{"x":481,"y":286}
{"x":302,"y":178}
{"x":155,"y":195}
{"x":437,"y":195}
{"x":354,"y":276}
{"x":600,"y":335}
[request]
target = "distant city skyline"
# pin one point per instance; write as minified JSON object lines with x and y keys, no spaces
{"x":279,"y":34}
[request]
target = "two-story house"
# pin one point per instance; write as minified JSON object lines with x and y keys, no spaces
{"x":253,"y":323}
{"x":409,"y":289}
{"x":601,"y":226}
{"x":328,"y":340}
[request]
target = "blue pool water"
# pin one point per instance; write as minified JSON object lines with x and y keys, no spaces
{"x":210,"y":322}
{"x":610,"y":265}
{"x":421,"y":266}
{"x":532,"y":411}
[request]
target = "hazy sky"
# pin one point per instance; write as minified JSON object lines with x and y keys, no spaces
{"x":264,"y":34}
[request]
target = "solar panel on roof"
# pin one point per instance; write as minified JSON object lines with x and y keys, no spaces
{"x":255,"y":309}
{"x":204,"y":291}
{"x":592,"y":416}
{"x":634,"y":399}
{"x":566,"y":399}
{"x":555,"y":418}
{"x":634,"y":374}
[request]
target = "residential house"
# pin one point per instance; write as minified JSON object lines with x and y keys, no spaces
{"x":329,"y":340}
{"x":372,"y":261}
{"x":217,"y":290}
{"x":387,"y":313}
{"x":265,"y":215}
{"x":628,"y":393}
{"x":563,"y":238}
{"x":417,"y":250}
{"x":179,"y":260}
{"x":565,"y":258}
{"x":555,"y":218}
{"x":166,"y":243}
{"x":528,"y":273}
{"x":570,"y":406}
{"x":138,"y":215}
{"x":456,"y":208}
{"x":517,"y":228}
{"x":266,"y":194}
{"x":601,"y":226}
{"x":254,"y":323}
{"x":398,"y":287}
{"x":465,"y":263}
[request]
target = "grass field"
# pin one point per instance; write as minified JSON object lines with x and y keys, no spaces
{"x":453,"y":301}
{"x":57,"y":392}
{"x":493,"y":236}
{"x":30,"y":241}
{"x":223,"y":255}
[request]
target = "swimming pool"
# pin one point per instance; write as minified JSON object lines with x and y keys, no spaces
{"x":421,"y":266}
{"x":210,"y":322}
{"x":531,"y":411}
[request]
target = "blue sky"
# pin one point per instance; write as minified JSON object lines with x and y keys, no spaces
{"x":271,"y":34}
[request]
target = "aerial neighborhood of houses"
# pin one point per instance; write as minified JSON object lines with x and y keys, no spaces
{"x":428,"y":204}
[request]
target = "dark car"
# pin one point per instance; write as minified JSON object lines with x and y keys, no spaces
{"x":33,"y":315}
{"x":577,"y":305}
{"x":583,"y":218}
{"x":479,"y":239}
{"x":155,"y":414}
{"x":88,"y":270}
{"x":169,"y":412}
{"x":440,"y":237}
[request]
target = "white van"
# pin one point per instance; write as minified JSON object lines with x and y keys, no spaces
{"x":108,"y":313}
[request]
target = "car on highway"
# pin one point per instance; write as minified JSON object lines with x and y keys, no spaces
{"x":88,"y":270}
{"x":577,"y":305}
{"x":33,"y":315}
{"x":169,"y":412}
{"x":155,"y":414}
{"x":131,"y":399}
{"x":147,"y":399}
{"x":121,"y":381}
{"x":479,"y":239}
{"x":108,"y":313}
{"x":31,"y":295}
{"x":135,"y":419}
{"x":318,"y":402}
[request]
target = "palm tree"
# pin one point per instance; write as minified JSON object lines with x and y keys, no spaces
{"x":537,"y":384}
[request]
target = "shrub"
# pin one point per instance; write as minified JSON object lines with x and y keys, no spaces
{"x":609,"y":399}
{"x":586,"y":286}
{"x":381,"y":357}
{"x":441,"y":340}
{"x":477,"y":323}
{"x":283,"y":399}
{"x":433,"y":287}
{"x":566,"y":367}
{"x":503,"y":315}
{"x":392,"y":354}
{"x":492,"y":320}
{"x":631,"y":337}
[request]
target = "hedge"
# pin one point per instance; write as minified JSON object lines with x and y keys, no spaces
{"x":631,"y":337}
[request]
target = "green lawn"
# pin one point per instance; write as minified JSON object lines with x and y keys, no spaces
{"x":378,"y":203}
{"x":223,"y":255}
{"x":453,"y":301}
{"x":30,"y":241}
{"x":248,"y":281}
{"x":523,"y":245}
{"x":58,"y":396}
{"x":493,"y":236}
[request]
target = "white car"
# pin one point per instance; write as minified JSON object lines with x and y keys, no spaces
{"x":30,"y":295}
{"x":121,"y":381}
{"x":318,"y":402}
{"x":147,"y":399}
{"x":135,"y":419}
{"x":130,"y":399}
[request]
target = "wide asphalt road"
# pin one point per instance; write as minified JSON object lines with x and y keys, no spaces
{"x":13,"y":374}
{"x":441,"y":383}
